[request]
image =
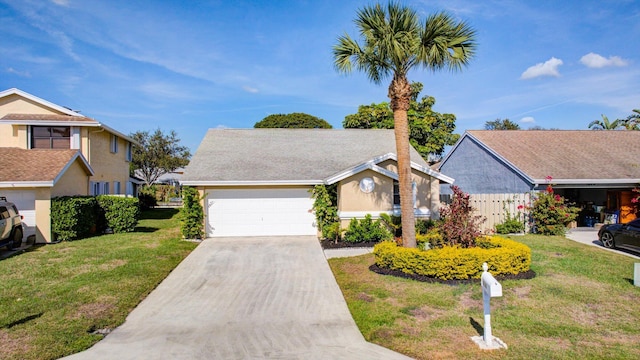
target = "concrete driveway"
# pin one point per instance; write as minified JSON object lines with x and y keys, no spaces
{"x":243,"y":298}
{"x":589,"y":236}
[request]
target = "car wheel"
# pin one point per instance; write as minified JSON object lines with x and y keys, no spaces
{"x":607,"y":240}
{"x":17,"y":239}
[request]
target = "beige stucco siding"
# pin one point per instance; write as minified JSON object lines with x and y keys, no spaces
{"x":74,"y":181}
{"x":43,"y":215}
{"x":108,"y":166}
{"x":16,"y":104}
{"x":13,"y":136}
{"x":350,"y":198}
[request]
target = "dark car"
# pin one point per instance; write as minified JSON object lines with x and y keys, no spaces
{"x":623,"y":236}
{"x":10,"y":225}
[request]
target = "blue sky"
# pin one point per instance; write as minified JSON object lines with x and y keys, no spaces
{"x":192,"y":65}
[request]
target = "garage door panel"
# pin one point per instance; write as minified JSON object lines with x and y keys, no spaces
{"x":260,"y":212}
{"x":25,"y":201}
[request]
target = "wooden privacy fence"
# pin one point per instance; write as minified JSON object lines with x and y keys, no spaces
{"x":494,"y":208}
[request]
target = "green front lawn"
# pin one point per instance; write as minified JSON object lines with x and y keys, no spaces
{"x":53,"y":297}
{"x":581,"y":305}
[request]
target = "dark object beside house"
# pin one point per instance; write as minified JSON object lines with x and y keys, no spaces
{"x":623,"y":236}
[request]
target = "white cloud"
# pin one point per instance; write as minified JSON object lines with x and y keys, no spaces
{"x":19,"y":73}
{"x":61,"y":2}
{"x":593,"y":60}
{"x":250,"y":89}
{"x":548,"y":68}
{"x":527,"y":119}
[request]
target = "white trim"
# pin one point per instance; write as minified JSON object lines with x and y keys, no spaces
{"x":25,"y":184}
{"x":14,"y":91}
{"x":420,"y":213}
{"x":251,"y":183}
{"x":75,"y":137}
{"x":372,"y":165}
{"x":538,"y":182}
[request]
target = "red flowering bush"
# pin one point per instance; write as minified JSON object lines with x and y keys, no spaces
{"x":550,"y":214}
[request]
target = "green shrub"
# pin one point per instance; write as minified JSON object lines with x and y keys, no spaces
{"x":424,"y":226}
{"x":510,"y":226}
{"x":431,"y":239}
{"x":121,"y":214}
{"x":191,"y":214}
{"x":394,"y":224}
{"x":325,"y":208}
{"x":73,"y":217}
{"x":550,"y":213}
{"x":366,"y":230}
{"x":333,"y":232}
{"x":503,"y":256}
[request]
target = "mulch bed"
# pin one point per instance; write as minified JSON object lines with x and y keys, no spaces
{"x":423,"y":278}
{"x":330,"y":244}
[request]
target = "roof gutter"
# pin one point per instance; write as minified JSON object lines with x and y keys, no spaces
{"x":252,"y":183}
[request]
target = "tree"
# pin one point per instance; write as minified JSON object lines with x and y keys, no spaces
{"x":632,"y":122}
{"x":605,"y":124}
{"x":395,"y":41}
{"x":429,"y":131}
{"x":158,"y":154}
{"x":501,"y":124}
{"x":293,"y":120}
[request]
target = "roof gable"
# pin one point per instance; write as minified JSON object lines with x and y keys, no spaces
{"x":288,"y":156}
{"x":568,"y":156}
{"x":57,"y":116}
{"x":38,"y":101}
{"x":37,"y":167}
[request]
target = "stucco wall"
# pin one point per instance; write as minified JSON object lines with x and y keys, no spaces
{"x":477,"y":171}
{"x":43,"y":215}
{"x":74,"y":181}
{"x":16,"y":104}
{"x":108,"y":166}
{"x":13,"y":136}
{"x":354,"y":203}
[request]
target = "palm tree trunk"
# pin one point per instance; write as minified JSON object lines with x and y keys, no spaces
{"x":400,"y":95}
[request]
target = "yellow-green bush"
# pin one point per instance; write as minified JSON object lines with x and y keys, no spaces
{"x":503,"y":256}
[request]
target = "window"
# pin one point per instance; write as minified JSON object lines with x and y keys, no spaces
{"x":50,"y":137}
{"x":116,"y":187}
{"x":114,"y":144}
{"x":130,"y":188}
{"x":129,"y":152}
{"x":105,"y":188}
{"x":396,"y":193}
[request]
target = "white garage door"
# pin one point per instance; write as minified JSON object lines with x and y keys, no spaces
{"x":25,"y":201}
{"x":260,"y":212}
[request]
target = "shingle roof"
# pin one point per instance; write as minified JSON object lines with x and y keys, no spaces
{"x":19,"y":165}
{"x":567,"y":154}
{"x":286,"y":155}
{"x":47,"y":117}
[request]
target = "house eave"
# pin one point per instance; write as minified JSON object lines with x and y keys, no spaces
{"x":587,"y":182}
{"x":25,"y":184}
{"x":252,"y":183}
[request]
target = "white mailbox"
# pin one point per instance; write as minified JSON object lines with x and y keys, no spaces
{"x":490,"y":288}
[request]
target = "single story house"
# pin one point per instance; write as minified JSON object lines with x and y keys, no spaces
{"x":30,"y":178}
{"x":594,"y":169}
{"x":257,"y":182}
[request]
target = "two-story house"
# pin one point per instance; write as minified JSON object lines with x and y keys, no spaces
{"x":48,"y":150}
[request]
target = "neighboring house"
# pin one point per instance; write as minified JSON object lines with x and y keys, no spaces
{"x":257,"y":181}
{"x":42,"y":129}
{"x":595,"y":169}
{"x":30,"y":178}
{"x":170,"y":178}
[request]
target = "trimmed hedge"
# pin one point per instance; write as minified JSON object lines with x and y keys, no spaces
{"x":503,"y":256}
{"x":73,"y":217}
{"x":77,"y":217}
{"x":121,"y":214}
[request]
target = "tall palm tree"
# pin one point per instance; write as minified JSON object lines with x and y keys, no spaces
{"x":605,"y":124}
{"x":394,"y":41}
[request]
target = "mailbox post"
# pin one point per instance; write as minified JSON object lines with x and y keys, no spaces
{"x":490,"y":288}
